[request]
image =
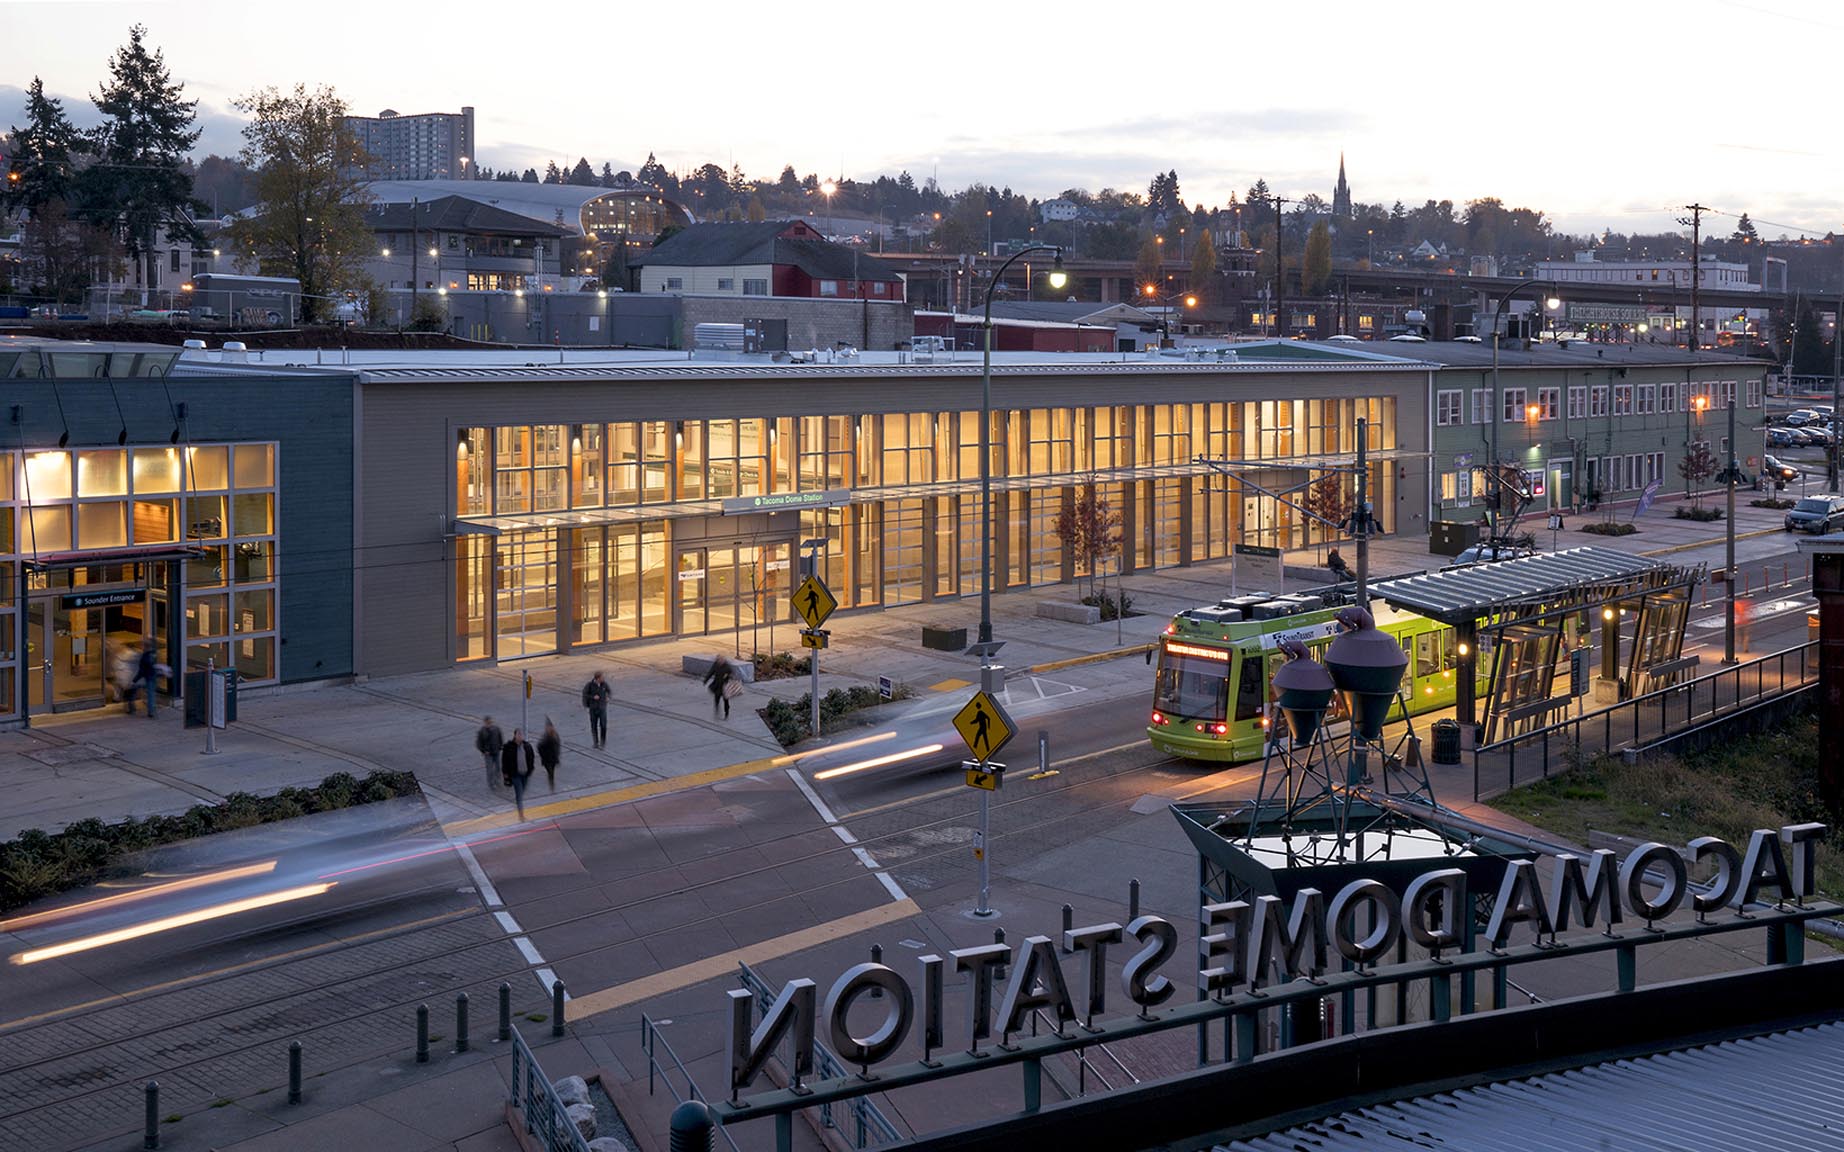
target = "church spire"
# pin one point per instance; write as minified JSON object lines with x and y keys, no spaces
{"x":1341,"y":195}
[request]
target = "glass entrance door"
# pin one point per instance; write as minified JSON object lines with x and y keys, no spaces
{"x":526,"y":593}
{"x":744,"y":586}
{"x":691,"y":592}
{"x":81,"y":648}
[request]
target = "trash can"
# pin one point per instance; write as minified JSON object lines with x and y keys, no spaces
{"x":1446,"y":742}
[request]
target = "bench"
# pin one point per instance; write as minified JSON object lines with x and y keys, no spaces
{"x":1069,"y":613}
{"x":700,"y":666}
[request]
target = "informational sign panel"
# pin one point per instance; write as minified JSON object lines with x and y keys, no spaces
{"x":886,"y":688}
{"x":1580,"y":665}
{"x":1258,"y":566}
{"x":103,"y":599}
{"x":815,"y":638}
{"x":782,"y":501}
{"x":981,"y":778}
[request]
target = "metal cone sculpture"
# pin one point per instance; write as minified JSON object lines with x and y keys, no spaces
{"x":1367,"y":667}
{"x":1305,"y":689}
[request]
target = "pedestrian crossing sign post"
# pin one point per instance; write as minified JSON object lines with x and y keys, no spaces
{"x":986,"y":776}
{"x":815,"y":638}
{"x":984,"y":725}
{"x":814,"y":602}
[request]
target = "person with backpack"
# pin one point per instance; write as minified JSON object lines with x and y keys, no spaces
{"x":595,"y":698}
{"x":550,"y":751}
{"x":489,"y":741}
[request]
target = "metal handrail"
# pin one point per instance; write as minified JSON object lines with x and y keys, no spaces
{"x":549,"y":1122}
{"x":1084,"y":1066}
{"x":1617,"y":732}
{"x":650,"y":1043}
{"x":867,"y":1119}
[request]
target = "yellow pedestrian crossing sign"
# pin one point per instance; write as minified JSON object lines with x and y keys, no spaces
{"x":814,"y":601}
{"x":980,"y":778}
{"x":984,"y":725}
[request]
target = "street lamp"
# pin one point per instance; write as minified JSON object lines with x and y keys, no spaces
{"x":986,"y":649}
{"x":1498,"y":399}
{"x":827,"y":189}
{"x":1151,"y":292}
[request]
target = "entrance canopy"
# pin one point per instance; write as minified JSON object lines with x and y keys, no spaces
{"x":46,"y":561}
{"x":1463,"y":595}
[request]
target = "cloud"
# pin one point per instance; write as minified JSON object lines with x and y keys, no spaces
{"x":219,"y":131}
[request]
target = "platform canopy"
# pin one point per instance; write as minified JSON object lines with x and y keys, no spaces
{"x":1463,"y":594}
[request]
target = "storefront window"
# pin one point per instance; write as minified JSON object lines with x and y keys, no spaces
{"x":254,"y":657}
{"x":255,"y":466}
{"x":691,"y":459}
{"x":205,"y":518}
{"x":586,"y":466}
{"x":472,"y":473}
{"x":102,"y":473}
{"x":209,"y":468}
{"x":253,"y":514}
{"x":208,"y":615}
{"x":48,"y":529}
{"x":47,"y":476}
{"x":473,"y":588}
{"x":207,"y":570}
{"x":156,"y":521}
{"x":255,"y":611}
{"x":254,"y":561}
{"x":101,"y":525}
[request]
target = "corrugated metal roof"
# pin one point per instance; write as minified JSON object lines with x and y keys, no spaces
{"x":1778,"y":1091}
{"x":1455,"y":594}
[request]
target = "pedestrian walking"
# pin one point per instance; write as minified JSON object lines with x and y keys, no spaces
{"x":516,"y":767}
{"x":595,"y":698}
{"x":489,"y":741}
{"x":725,"y":685}
{"x":146,"y":677}
{"x":550,"y":751}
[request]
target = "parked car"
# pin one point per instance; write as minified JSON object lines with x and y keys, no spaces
{"x":1816,"y":514}
{"x":1490,"y":552}
{"x":1779,"y":438}
{"x":1779,"y":472}
{"x":1800,"y":417}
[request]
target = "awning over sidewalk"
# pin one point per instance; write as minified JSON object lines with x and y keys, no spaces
{"x":1462,"y":595}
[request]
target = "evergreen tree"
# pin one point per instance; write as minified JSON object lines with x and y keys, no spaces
{"x":1316,"y":269}
{"x":789,"y":183}
{"x":1258,"y":194}
{"x":552,"y":173}
{"x":310,"y":195}
{"x":42,"y":154}
{"x":582,"y":175}
{"x":140,"y":183}
{"x":1204,"y":268}
{"x":1744,"y":231}
{"x":530,"y":176}
{"x":607,"y":179}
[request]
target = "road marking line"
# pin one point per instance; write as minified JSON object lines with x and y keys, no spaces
{"x":488,"y":893}
{"x":614,"y":796}
{"x":892,"y":887}
{"x":507,"y":922}
{"x":844,"y":834}
{"x":724,"y":965}
{"x":813,"y":797}
{"x":546,"y":978}
{"x":528,"y":950}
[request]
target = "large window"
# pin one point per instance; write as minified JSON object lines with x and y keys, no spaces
{"x":1447,"y":407}
{"x":825,"y":452}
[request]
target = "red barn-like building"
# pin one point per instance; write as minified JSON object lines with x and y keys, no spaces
{"x":778,"y":258}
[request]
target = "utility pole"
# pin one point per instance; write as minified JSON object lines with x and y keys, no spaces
{"x":1696,"y":268}
{"x":1280,"y":291}
{"x":1728,"y":619}
{"x":1361,"y":517}
{"x":415,"y":251}
{"x":1837,"y":369}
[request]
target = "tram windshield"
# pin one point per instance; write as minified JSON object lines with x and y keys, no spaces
{"x":1193,"y":681}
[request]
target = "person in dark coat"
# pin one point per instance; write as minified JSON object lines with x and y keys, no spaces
{"x":550,"y":751}
{"x":488,"y":742}
{"x":146,"y":677}
{"x":1340,"y":570}
{"x":718,"y":679}
{"x":595,"y":698}
{"x":516,"y":766}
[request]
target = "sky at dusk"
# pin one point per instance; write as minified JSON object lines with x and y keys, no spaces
{"x":1603,"y":115}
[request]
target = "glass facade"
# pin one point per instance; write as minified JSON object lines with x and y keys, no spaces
{"x":101,"y":548}
{"x":661,"y":558}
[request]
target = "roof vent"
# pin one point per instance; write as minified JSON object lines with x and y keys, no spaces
{"x":235,"y":352}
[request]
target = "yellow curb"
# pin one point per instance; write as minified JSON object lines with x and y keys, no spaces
{"x":1094,"y":658}
{"x":950,"y":685}
{"x":716,"y":967}
{"x":614,"y":796}
{"x":1707,"y":543}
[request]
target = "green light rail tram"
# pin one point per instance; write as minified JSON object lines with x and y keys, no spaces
{"x":1212,"y":698}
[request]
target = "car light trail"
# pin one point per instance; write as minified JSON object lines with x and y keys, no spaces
{"x":53,"y":915}
{"x":878,"y":762}
{"x":216,"y":911}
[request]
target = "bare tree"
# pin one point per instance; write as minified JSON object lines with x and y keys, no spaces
{"x":1089,"y":530}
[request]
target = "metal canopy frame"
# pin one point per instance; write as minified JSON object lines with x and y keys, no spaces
{"x":1464,"y":595}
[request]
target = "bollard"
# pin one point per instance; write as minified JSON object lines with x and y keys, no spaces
{"x":998,"y":970}
{"x":1069,"y":923}
{"x":461,"y":1022}
{"x":422,"y":1033}
{"x":693,"y":1128}
{"x":505,"y":1012}
{"x":294,"y":1071}
{"x":877,"y":957}
{"x":557,"y":1008}
{"x":150,"y":1131}
{"x":1133,"y":899}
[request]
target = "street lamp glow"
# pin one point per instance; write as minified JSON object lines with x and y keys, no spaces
{"x":828,"y":188}
{"x":1058,"y":278}
{"x":432,"y":252}
{"x":1532,"y":411}
{"x":1190,"y":301}
{"x":1552,"y":303}
{"x":384,"y":252}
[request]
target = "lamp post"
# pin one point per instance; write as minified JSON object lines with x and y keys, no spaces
{"x":827,"y":189}
{"x":1498,"y":399}
{"x":1151,"y":292}
{"x":986,"y":649}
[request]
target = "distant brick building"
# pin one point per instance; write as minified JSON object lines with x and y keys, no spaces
{"x":777,"y":258}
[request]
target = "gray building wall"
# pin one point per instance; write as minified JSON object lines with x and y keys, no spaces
{"x":309,"y":413}
{"x":812,"y":322}
{"x":407,"y":448}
